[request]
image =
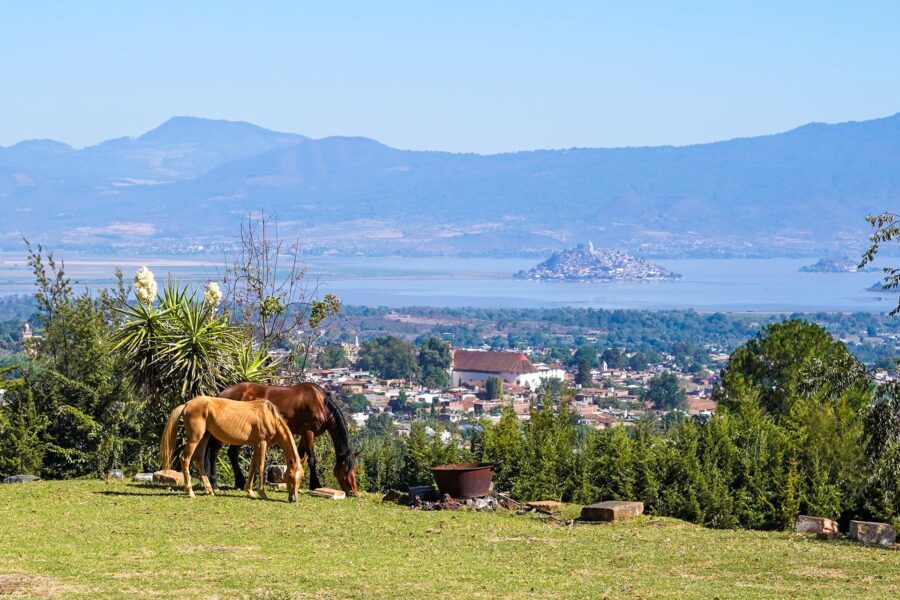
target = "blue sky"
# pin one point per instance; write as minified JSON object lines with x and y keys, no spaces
{"x":461,"y":76}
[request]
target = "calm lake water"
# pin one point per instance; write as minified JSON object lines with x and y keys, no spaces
{"x":708,"y":284}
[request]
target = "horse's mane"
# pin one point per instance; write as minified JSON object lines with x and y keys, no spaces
{"x":342,"y":439}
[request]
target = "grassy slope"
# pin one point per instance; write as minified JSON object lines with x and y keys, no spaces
{"x":121,"y":540}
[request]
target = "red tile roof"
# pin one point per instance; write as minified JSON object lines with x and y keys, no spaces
{"x":491,"y":362}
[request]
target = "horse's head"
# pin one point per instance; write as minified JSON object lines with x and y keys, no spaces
{"x":345,"y":472}
{"x":292,"y":477}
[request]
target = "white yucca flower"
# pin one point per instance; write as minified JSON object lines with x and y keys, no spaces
{"x":212,"y":295}
{"x":145,"y":285}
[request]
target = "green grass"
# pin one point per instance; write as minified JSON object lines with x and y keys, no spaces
{"x":89,"y":539}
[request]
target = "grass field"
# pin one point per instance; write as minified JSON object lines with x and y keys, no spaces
{"x":89,"y":539}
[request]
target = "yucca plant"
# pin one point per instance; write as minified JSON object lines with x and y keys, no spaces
{"x":182,"y":348}
{"x":252,"y":365}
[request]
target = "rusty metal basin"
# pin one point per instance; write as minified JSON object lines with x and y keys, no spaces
{"x":465,"y":480}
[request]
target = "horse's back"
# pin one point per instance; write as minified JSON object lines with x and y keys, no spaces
{"x":240,"y":422}
{"x":302,"y":405}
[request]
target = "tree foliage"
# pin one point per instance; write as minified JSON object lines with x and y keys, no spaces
{"x":434,"y":361}
{"x":665,"y":392}
{"x":493,"y":388}
{"x":887,"y":229}
{"x":332,"y":356}
{"x":389,"y":358}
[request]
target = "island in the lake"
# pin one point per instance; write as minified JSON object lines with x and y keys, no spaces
{"x":585,"y":263}
{"x":837,"y":264}
{"x":878,"y":286}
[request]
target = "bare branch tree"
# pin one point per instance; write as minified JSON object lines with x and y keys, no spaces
{"x":269,"y":292}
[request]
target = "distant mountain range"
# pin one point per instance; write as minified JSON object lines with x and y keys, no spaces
{"x":189,"y":182}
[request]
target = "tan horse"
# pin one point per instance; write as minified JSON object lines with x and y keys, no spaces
{"x":256,"y":424}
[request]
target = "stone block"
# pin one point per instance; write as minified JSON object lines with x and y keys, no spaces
{"x":614,"y":510}
{"x":115,"y":474}
{"x":146,"y":477}
{"x":827,"y":535}
{"x":395,"y":496}
{"x":545,"y":506}
{"x":329,"y":493}
{"x":168,"y":477}
{"x":807,"y":524}
{"x":21,"y":479}
{"x":876,"y":534}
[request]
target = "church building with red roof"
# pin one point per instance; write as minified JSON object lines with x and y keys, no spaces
{"x":477,"y":365}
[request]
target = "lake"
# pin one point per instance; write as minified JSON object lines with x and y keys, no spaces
{"x":765,"y":285}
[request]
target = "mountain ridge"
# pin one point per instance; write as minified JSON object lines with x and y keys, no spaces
{"x":806,"y":191}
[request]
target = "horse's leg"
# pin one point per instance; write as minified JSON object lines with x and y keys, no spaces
{"x":211,"y":459}
{"x":189,"y":448}
{"x":250,"y":474}
{"x":308,"y":439}
{"x":234,"y":457}
{"x":199,"y":459}
{"x":261,"y":471}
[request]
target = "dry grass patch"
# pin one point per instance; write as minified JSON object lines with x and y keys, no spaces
{"x":32,"y":586}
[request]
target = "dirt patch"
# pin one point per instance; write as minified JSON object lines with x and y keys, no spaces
{"x":498,"y":540}
{"x":821,"y":573}
{"x":22,"y":585}
{"x":217,"y":548}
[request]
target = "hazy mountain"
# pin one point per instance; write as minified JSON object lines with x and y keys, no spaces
{"x":192,"y":180}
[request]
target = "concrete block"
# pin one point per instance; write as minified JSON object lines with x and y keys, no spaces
{"x":614,"y":510}
{"x":876,"y":534}
{"x":329,"y":493}
{"x":168,"y":477}
{"x":807,"y":524}
{"x":545,"y":506}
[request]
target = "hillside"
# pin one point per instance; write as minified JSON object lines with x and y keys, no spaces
{"x":191,"y":180}
{"x":84,"y":539}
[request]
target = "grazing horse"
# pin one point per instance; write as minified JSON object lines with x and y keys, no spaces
{"x":309,"y":411}
{"x":255,"y":423}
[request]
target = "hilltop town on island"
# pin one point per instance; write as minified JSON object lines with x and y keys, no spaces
{"x":586,"y":263}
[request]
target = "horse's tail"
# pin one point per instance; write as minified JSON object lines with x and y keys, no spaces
{"x":167,"y":443}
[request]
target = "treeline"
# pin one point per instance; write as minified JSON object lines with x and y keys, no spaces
{"x":800,"y":429}
{"x":683,"y":333}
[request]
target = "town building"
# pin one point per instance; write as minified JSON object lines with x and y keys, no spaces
{"x":511,"y":367}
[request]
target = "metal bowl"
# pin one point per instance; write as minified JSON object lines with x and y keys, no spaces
{"x":466,"y":480}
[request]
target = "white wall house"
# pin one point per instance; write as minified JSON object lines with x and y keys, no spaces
{"x":511,"y":367}
{"x":555,"y":371}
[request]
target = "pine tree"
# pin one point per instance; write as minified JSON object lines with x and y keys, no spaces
{"x":417,"y":457}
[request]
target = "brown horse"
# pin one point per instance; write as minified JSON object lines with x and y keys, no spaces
{"x":255,"y":423}
{"x":309,"y":411}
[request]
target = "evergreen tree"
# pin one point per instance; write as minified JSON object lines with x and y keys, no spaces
{"x":503,"y":445}
{"x":583,"y":376}
{"x":417,"y":457}
{"x":493,"y":388}
{"x":21,"y":428}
